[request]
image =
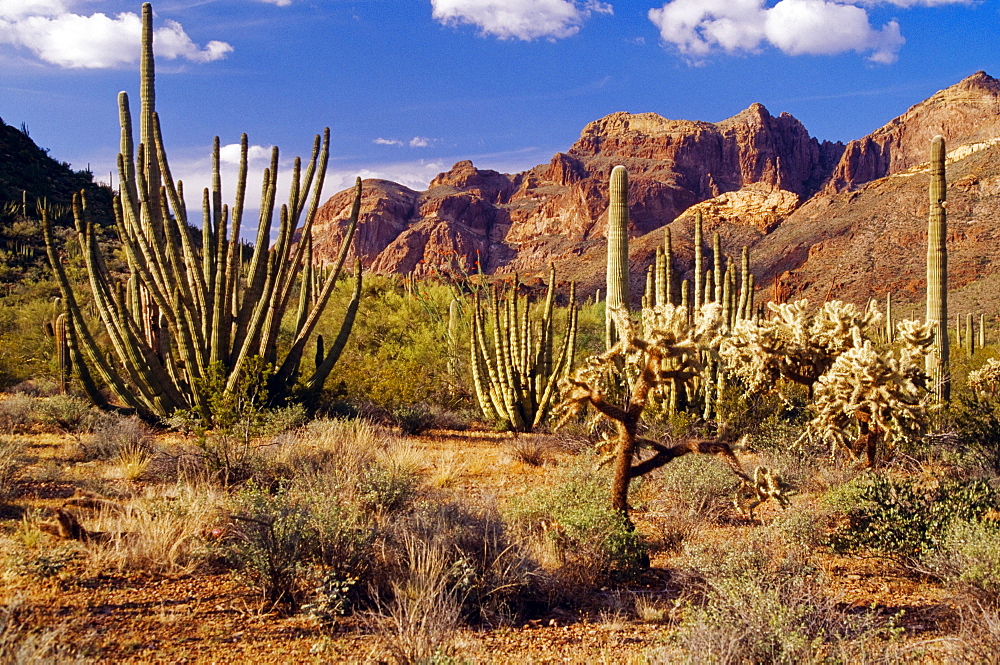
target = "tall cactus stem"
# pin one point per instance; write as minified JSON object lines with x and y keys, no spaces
{"x":937,"y":271}
{"x":618,"y":269}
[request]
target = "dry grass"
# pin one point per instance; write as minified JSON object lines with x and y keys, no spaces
{"x":419,"y":623}
{"x":163,"y":532}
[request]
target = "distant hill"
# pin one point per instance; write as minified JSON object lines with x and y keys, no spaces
{"x":829,"y":220}
{"x":24,"y":167}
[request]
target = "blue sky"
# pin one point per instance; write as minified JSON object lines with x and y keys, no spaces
{"x":408,"y":87}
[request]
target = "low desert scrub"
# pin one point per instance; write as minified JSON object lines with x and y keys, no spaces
{"x":116,"y":437}
{"x":165,"y":532}
{"x":73,"y":415}
{"x":760,"y":601}
{"x":967,"y":559}
{"x":419,"y":622}
{"x":288,"y":543}
{"x":10,"y":465}
{"x":906,"y":519}
{"x":575,"y":534}
{"x":699,"y":485}
{"x":18,"y":412}
{"x":358,"y":462}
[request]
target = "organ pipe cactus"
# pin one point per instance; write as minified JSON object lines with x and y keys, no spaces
{"x":189,"y":306}
{"x":937,"y":272}
{"x":617,"y":275}
{"x":699,"y":263}
{"x":516,"y":373}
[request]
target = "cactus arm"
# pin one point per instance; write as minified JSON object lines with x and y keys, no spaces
{"x":316,"y":381}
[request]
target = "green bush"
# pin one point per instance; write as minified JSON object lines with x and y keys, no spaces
{"x":592,"y":542}
{"x":968,"y":558}
{"x":905,"y":518}
{"x":756,"y":601}
{"x":70,"y":414}
{"x":18,"y":412}
{"x":289,"y":545}
{"x":977,"y":427}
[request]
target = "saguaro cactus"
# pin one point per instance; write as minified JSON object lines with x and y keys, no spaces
{"x":617,"y":275}
{"x":187,"y":308}
{"x":937,"y":272}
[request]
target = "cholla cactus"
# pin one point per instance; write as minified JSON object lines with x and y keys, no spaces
{"x":797,"y":343}
{"x":870,"y":397}
{"x":985,"y":381}
{"x":668,"y":353}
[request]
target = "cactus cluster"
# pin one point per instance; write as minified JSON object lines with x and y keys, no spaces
{"x":516,"y":373}
{"x":870,"y":398}
{"x":722,"y":283}
{"x":188,"y":304}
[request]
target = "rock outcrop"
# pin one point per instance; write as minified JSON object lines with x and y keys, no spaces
{"x":965,"y":112}
{"x":760,"y":180}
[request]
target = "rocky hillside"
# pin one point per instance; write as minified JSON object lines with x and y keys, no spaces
{"x":24,"y":167}
{"x":827,"y":219}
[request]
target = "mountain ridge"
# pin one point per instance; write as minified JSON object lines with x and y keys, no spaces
{"x":751,"y":174}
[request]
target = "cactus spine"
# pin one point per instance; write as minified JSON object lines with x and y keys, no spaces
{"x":617,"y":274}
{"x":937,"y":272}
{"x":184,"y":307}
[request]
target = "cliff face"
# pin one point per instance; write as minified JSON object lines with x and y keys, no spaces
{"x":759,"y":179}
{"x":966,"y":111}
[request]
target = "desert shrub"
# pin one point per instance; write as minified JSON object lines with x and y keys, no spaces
{"x":588,"y":541}
{"x":976,"y":422}
{"x":70,"y":414}
{"x":287,"y":544}
{"x":758,"y":601}
{"x":904,"y":518}
{"x":490,"y":573}
{"x":968,"y":558}
{"x":354,"y":460}
{"x":116,"y":437}
{"x":701,"y":484}
{"x":10,"y":465}
{"x":18,"y":412}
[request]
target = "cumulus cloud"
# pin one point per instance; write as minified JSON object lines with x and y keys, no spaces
{"x":382,"y":141}
{"x":796,"y":27}
{"x":230,"y":154}
{"x":419,"y":142}
{"x":60,"y":37}
{"x":520,"y":19}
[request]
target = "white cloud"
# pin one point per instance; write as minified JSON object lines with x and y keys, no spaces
{"x":520,"y":19}
{"x":57,"y":36}
{"x":230,"y":154}
{"x":382,"y":141}
{"x":419,"y":142}
{"x":796,"y":27}
{"x":279,"y":3}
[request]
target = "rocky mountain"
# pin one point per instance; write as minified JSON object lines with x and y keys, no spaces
{"x":823,"y":218}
